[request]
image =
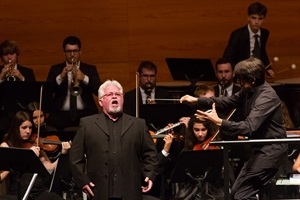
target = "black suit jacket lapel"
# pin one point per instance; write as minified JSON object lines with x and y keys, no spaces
{"x":126,"y":123}
{"x":100,"y":121}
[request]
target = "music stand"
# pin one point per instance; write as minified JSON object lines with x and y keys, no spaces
{"x":199,"y":166}
{"x":160,"y":115}
{"x":62,"y":180}
{"x":17,"y":95}
{"x":191,"y":69}
{"x":19,"y":161}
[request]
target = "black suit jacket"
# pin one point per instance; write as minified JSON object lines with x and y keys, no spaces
{"x":130,"y":99}
{"x":25,"y":71}
{"x":238,"y":47}
{"x":60,"y":91}
{"x":139,"y":155}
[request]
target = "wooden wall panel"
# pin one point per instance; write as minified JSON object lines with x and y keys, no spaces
{"x":118,"y":34}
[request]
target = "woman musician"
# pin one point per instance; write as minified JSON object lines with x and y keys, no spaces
{"x":18,"y":135}
{"x":195,"y":134}
{"x":198,"y":134}
{"x":36,"y":112}
{"x":46,"y":131}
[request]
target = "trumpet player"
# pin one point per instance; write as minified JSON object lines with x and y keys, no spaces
{"x":74,"y":83}
{"x":11,"y":70}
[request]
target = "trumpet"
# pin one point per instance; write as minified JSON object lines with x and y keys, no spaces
{"x":9,"y":76}
{"x":75,"y":89}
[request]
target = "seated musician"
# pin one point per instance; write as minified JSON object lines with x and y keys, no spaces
{"x":198,"y":135}
{"x":33,"y":108}
{"x":19,"y":135}
{"x":194,"y":136}
{"x":148,"y":93}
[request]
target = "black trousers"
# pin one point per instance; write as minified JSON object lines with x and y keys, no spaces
{"x":250,"y":182}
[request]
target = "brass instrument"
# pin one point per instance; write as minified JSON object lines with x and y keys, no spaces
{"x":75,"y":89}
{"x":9,"y":76}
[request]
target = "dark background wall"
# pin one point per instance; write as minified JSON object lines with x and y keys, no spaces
{"x":118,"y":34}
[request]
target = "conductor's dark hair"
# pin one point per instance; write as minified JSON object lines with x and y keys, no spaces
{"x":251,"y":70}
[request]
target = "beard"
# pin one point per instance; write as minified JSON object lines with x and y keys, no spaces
{"x":115,"y":111}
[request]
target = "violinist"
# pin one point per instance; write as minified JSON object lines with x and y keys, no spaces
{"x":18,"y":135}
{"x":34,"y":109}
{"x":52,"y":150}
{"x":197,"y":134}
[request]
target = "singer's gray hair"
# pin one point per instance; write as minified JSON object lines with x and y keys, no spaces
{"x":109,"y":83}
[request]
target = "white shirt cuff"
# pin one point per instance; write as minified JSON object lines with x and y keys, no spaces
{"x":166,"y":154}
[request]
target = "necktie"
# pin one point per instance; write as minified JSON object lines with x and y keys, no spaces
{"x":73,"y":106}
{"x":148,"y":95}
{"x":224,"y":92}
{"x":148,"y":99}
{"x":256,"y":50}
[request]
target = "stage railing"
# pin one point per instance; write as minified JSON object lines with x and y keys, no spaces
{"x":226,"y":144}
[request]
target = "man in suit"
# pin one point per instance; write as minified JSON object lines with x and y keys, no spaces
{"x":241,"y":44}
{"x":74,"y":84}
{"x":148,"y":91}
{"x":11,"y":71}
{"x":116,"y":148}
{"x":226,"y":87}
{"x":264,"y":120}
{"x":225,"y":75}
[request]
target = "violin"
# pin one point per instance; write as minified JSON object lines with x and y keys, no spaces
{"x":205,"y":145}
{"x":49,"y":144}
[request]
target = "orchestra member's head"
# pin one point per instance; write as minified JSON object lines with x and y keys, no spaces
{"x":20,"y":129}
{"x":36,"y":113}
{"x":147,"y":71}
{"x":224,"y":72}
{"x":256,"y":15}
{"x":9,"y":52}
{"x":198,"y":132}
{"x":72,"y":49}
{"x":204,"y":91}
{"x":250,"y":73}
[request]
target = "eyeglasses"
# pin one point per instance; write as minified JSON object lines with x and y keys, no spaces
{"x":151,"y":76}
{"x":72,"y":51}
{"x":111,"y":94}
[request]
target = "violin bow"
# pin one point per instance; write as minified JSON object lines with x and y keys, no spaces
{"x":206,"y":145}
{"x":137,"y":75}
{"x":39,"y":119}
